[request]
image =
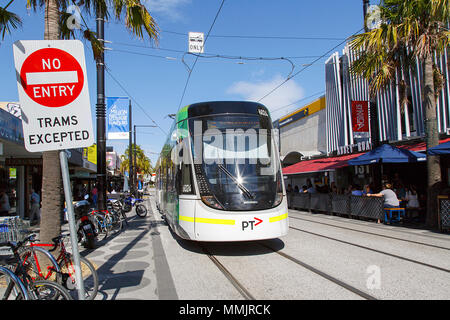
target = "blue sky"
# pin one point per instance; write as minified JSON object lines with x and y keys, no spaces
{"x":155,"y":77}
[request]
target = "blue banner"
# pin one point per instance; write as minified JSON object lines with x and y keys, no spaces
{"x":117,"y":117}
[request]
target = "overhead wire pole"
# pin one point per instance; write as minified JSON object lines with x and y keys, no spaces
{"x":130,"y":147}
{"x":373,"y":113}
{"x":101,"y":115}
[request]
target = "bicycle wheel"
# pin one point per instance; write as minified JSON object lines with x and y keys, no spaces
{"x":116,"y":222}
{"x":11,"y":288}
{"x":101,"y":229}
{"x":88,"y":273}
{"x":40,"y":264}
{"x":141,"y":210}
{"x":49,"y":290}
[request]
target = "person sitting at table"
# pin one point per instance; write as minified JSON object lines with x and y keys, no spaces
{"x":389,"y":196}
{"x":412,"y":197}
{"x":366,"y":190}
{"x":356,"y":191}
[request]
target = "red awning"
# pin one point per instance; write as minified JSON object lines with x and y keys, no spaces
{"x":421,"y":146}
{"x":318,"y":165}
{"x":332,"y":163}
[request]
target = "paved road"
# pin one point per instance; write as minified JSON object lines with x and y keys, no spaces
{"x":322,"y":257}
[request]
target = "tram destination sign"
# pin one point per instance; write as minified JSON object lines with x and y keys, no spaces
{"x":54,"y":95}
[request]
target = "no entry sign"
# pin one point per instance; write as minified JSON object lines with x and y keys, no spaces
{"x":54,"y":95}
{"x":52,"y":77}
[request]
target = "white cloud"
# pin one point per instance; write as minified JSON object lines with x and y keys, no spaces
{"x":284,"y":95}
{"x":168,"y":8}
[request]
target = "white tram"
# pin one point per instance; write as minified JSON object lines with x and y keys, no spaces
{"x":218,"y":177}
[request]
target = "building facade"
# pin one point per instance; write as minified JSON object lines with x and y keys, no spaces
{"x":301,"y":132}
{"x":396,"y":121}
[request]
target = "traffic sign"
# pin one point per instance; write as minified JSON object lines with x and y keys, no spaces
{"x":196,"y":42}
{"x":54,"y":95}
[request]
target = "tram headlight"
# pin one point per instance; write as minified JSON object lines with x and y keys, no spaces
{"x":212,"y":202}
{"x":278,"y":198}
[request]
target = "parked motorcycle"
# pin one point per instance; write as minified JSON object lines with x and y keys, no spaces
{"x":84,"y":225}
{"x":129,"y":202}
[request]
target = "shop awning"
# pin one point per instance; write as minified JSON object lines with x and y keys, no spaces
{"x":421,"y":146}
{"x":320,"y":165}
{"x":443,"y":148}
{"x":388,"y":154}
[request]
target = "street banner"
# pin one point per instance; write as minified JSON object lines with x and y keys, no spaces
{"x":117,"y":117}
{"x":360,"y":116}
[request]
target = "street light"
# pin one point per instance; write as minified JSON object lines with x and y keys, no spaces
{"x":133,"y":188}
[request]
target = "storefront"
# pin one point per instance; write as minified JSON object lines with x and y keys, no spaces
{"x":20,"y":170}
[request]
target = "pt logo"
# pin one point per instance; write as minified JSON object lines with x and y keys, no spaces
{"x":251,"y":223}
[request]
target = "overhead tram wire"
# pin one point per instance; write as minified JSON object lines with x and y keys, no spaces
{"x":260,"y":37}
{"x":208,"y":55}
{"x":135,"y":101}
{"x":196,"y":59}
{"x":308,"y":65}
{"x":300,"y":100}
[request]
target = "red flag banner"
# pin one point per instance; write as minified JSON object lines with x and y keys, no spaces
{"x":360,"y":116}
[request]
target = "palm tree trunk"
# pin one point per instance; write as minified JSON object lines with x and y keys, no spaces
{"x":51,"y":169}
{"x":431,"y":139}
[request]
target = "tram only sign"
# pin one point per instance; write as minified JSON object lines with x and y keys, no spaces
{"x":54,"y":95}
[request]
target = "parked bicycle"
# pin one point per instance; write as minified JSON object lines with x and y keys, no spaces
{"x":106,"y":222}
{"x":17,"y":284}
{"x":116,"y":206}
{"x":64,"y":271}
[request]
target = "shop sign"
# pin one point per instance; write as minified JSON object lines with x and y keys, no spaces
{"x":360,"y":116}
{"x":356,"y":147}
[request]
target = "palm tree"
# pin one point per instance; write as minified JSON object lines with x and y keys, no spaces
{"x":8,"y":20}
{"x":138,"y":21}
{"x":143,"y":163}
{"x":409,"y":30}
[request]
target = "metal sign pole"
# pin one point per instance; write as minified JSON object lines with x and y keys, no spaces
{"x":72,"y":223}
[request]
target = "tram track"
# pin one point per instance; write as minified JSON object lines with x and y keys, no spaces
{"x":372,"y":249}
{"x":248,"y":296}
{"x":371,"y":233}
{"x":322,"y":274}
{"x":235,"y":282}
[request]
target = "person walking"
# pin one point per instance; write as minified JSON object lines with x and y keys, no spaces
{"x":4,"y":203}
{"x":35,"y":214}
{"x":94,"y":195}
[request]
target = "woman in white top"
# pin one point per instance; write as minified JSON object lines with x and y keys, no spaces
{"x":412,"y":198}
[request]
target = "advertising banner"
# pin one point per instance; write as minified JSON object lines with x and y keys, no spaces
{"x":360,"y":116}
{"x":117,"y":117}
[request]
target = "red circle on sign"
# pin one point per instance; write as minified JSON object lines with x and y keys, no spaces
{"x":52,"y":77}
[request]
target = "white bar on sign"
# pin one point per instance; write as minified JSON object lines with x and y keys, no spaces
{"x":51,"y":77}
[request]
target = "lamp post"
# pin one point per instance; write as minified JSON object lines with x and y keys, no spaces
{"x":134,"y":156}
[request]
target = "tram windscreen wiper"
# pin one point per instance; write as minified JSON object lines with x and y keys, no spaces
{"x":240,"y":185}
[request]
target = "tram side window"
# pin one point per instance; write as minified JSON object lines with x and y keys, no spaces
{"x":184,"y":180}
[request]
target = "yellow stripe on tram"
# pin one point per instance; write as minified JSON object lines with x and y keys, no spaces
{"x":278,"y":218}
{"x":206,"y":220}
{"x":188,"y":219}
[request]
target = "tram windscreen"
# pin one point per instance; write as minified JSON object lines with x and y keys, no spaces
{"x":238,"y":160}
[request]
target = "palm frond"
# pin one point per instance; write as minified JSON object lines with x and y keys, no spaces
{"x":8,"y":21}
